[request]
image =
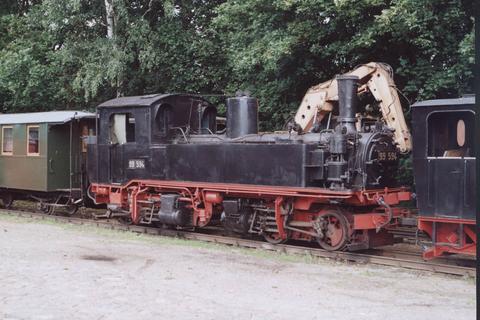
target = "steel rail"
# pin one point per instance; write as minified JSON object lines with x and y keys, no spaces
{"x":414,"y":261}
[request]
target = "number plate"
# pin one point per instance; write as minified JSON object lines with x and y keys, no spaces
{"x":387,"y":156}
{"x":136,"y":164}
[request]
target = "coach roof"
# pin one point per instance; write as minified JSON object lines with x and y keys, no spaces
{"x":44,"y":117}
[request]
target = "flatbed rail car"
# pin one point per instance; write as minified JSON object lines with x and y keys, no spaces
{"x":445,"y":173}
{"x":43,"y":157}
{"x":158,"y":159}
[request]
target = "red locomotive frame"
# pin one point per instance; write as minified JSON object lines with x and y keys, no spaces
{"x":363,"y":224}
{"x":449,"y":236}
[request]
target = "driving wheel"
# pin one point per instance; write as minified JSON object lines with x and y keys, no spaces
{"x":334,"y":231}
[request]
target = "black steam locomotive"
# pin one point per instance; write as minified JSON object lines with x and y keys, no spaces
{"x":174,"y":137}
{"x":159,"y":159}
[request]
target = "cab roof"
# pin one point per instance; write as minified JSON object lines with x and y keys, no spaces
{"x":146,"y":100}
{"x":465,"y":100}
{"x":143,"y":101}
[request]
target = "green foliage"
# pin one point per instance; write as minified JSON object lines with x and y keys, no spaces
{"x":279,"y":49}
{"x":404,"y":174}
{"x":55,"y":53}
{"x":27,"y":76}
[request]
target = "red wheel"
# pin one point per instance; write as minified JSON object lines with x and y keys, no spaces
{"x":274,"y":238}
{"x":333,"y":230}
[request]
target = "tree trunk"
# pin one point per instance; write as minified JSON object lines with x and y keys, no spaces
{"x":110,"y":18}
{"x":111,"y":22}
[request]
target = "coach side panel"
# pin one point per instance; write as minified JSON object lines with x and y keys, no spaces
{"x":21,"y":168}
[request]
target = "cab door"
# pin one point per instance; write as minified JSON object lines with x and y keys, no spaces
{"x":122,"y":132}
{"x":451,"y":164}
{"x":451,"y":186}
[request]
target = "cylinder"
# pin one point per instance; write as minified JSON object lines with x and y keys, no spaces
{"x":347,"y":102}
{"x":242,"y":116}
{"x":180,"y":217}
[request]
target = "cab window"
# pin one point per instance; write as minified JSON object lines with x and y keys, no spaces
{"x":451,"y":134}
{"x":122,"y":128}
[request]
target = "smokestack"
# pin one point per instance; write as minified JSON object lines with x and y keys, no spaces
{"x":347,"y":102}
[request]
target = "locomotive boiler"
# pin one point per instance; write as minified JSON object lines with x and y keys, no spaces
{"x":159,"y":159}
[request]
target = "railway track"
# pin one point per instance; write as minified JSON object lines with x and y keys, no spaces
{"x":392,"y":258}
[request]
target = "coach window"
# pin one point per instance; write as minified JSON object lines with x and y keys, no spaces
{"x":122,"y":128}
{"x":451,"y":134}
{"x":32,"y":141}
{"x":7,"y":141}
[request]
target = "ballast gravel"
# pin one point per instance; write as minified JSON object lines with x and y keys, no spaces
{"x":57,"y":271}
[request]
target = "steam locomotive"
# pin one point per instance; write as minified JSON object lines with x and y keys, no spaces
{"x":158,"y":159}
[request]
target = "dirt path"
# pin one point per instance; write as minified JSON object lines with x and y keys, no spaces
{"x":50,"y":271}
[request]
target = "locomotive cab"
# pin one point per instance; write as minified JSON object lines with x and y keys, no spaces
{"x":444,"y":166}
{"x":444,"y":157}
{"x":133,"y":132}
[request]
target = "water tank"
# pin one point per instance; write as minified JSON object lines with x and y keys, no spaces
{"x":242,"y":116}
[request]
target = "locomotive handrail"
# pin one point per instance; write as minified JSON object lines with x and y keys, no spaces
{"x":382,"y":202}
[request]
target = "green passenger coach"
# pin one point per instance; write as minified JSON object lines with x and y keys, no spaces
{"x":42,"y":157}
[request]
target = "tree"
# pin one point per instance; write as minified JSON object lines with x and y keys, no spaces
{"x":78,"y":53}
{"x":278,"y":49}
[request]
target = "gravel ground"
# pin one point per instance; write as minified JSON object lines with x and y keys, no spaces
{"x":56,"y":271}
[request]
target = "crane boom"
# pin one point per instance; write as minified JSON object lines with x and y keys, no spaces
{"x":373,"y":77}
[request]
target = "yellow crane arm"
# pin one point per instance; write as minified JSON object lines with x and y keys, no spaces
{"x":374,"y":77}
